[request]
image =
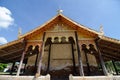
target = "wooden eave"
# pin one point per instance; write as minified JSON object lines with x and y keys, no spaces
{"x":110,"y":48}
{"x":112,"y":40}
{"x":11,"y":49}
{"x":60,"y":18}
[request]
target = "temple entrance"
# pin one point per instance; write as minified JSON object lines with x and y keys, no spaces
{"x":61,"y":59}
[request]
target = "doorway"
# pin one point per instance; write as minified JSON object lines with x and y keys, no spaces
{"x":61,"y":60}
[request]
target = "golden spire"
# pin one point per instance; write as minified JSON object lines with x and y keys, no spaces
{"x":101,"y":30}
{"x":19,"y":32}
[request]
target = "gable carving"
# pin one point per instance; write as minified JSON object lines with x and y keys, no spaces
{"x":60,"y":27}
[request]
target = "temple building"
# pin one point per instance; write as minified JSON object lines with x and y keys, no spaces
{"x":62,"y":47}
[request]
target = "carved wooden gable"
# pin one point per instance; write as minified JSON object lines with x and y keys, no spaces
{"x":61,"y":23}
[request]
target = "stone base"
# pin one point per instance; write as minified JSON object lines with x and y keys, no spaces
{"x":94,"y":77}
{"x":8,"y":77}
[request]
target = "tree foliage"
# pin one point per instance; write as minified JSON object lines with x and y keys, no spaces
{"x":110,"y":67}
{"x":2,"y":66}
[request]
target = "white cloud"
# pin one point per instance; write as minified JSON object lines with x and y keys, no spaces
{"x":2,"y":40}
{"x":5,"y":18}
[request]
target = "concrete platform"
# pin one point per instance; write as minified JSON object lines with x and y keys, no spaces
{"x":94,"y":77}
{"x":8,"y":77}
{"x":47,"y":77}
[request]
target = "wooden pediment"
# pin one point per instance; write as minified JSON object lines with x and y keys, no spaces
{"x":59,"y":23}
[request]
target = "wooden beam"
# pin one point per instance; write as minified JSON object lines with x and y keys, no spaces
{"x":111,"y":57}
{"x":14,"y":57}
{"x":109,"y":43}
{"x":109,"y":53}
{"x":12,"y":52}
{"x":14,"y":46}
{"x":18,"y":58}
{"x":109,"y":50}
{"x":4,"y":51}
{"x":109,"y":47}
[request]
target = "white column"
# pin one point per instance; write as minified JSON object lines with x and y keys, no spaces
{"x":20,"y":65}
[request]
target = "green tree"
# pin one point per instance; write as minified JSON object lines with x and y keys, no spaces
{"x":2,"y":66}
{"x":117,"y":63}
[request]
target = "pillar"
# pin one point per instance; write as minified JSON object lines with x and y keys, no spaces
{"x":87,"y":62}
{"x":101,"y":60}
{"x":73,"y":58}
{"x":25,"y":67}
{"x":79,"y":56}
{"x":12,"y":68}
{"x":49,"y":53}
{"x":40,"y":57}
{"x":36,"y":60}
{"x":40,"y":60}
{"x":20,"y":65}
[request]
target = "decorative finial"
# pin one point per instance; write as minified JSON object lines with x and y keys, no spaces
{"x":101,"y":30}
{"x":19,"y":32}
{"x":59,"y":11}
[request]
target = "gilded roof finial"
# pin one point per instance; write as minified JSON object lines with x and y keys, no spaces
{"x":59,"y":11}
{"x":19,"y":32}
{"x":101,"y":30}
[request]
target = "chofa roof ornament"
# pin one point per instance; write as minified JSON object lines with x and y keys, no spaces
{"x":101,"y":30}
{"x":19,"y":32}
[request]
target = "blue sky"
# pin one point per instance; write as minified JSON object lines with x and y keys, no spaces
{"x":28,"y":14}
